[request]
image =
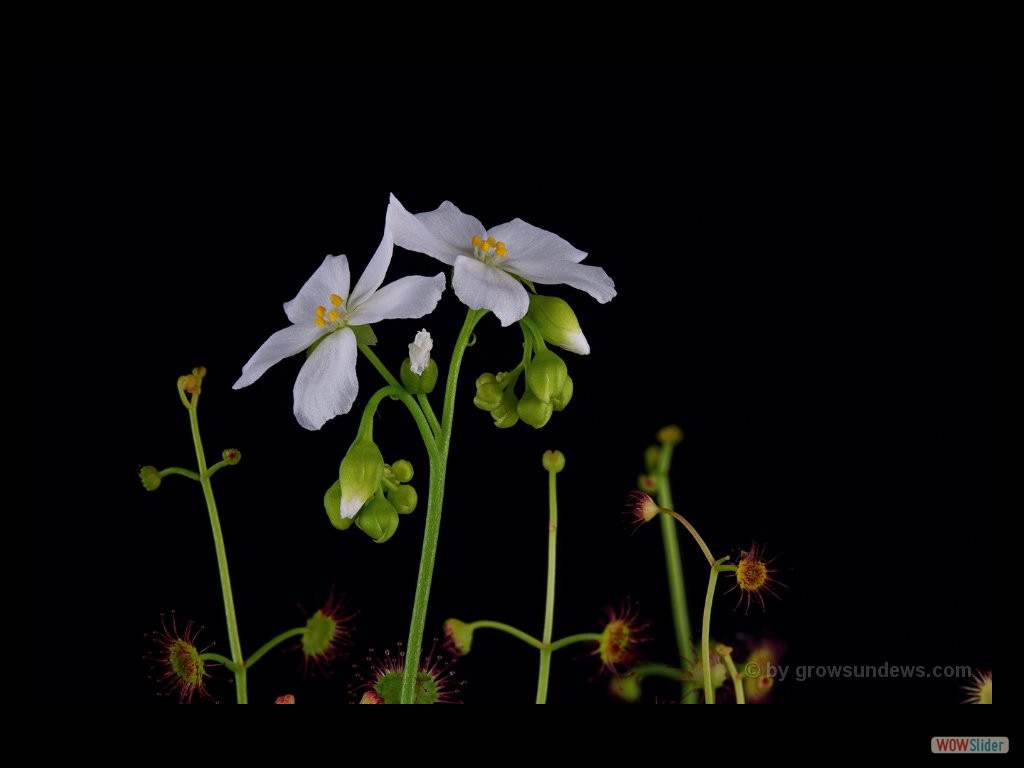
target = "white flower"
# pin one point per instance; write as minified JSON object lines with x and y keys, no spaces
{"x":419,"y":352}
{"x":486,"y":261}
{"x":325,"y":311}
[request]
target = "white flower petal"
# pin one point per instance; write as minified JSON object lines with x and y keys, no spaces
{"x":327,"y":386}
{"x":482,"y":287}
{"x":285,"y":343}
{"x":413,"y":296}
{"x":527,"y":243}
{"x":374,"y":273}
{"x":444,"y":234}
{"x":419,"y":352}
{"x":330,"y":277}
{"x":593,"y":280}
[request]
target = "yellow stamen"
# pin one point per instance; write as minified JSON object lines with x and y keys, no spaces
{"x":485,"y":246}
{"x":492,"y":242}
{"x":336,"y":300}
{"x":333,"y":315}
{"x":321,"y":311}
{"x":476,"y":241}
{"x":320,"y":321}
{"x":500,"y":249}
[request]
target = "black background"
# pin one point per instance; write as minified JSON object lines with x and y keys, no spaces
{"x":803,"y":264}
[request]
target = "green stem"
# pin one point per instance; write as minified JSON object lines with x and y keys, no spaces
{"x":674,"y":569}
{"x":658,"y":670}
{"x":271,"y":644}
{"x":234,"y":642}
{"x":216,"y":657}
{"x":544,"y":672}
{"x":705,"y":637}
{"x":366,"y":422}
{"x":582,"y":637}
{"x":428,"y":411}
{"x":381,"y":368}
{"x":693,"y":532}
{"x":179,"y":471}
{"x":508,"y":629}
{"x":435,"y":499}
{"x":734,"y":675}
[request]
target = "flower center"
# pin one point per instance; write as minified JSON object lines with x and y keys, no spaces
{"x":334,"y":317}
{"x":488,"y":251}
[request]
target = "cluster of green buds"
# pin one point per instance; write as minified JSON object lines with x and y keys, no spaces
{"x":547,"y":384}
{"x":370,"y":493}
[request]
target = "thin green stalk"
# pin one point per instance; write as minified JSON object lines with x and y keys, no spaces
{"x":508,"y":629}
{"x":271,"y":644}
{"x":674,"y":569}
{"x":658,"y":670}
{"x":234,"y":642}
{"x":705,"y":639}
{"x":435,"y":500}
{"x":734,"y":675}
{"x":428,"y":411}
{"x":219,"y":659}
{"x":180,"y":471}
{"x":544,"y":672}
{"x":581,"y":637}
{"x":366,"y":422}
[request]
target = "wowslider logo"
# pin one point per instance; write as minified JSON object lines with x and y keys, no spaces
{"x":978,"y":745}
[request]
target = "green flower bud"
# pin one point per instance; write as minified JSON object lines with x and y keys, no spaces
{"x":534,"y":411}
{"x":627,"y":688}
{"x":332,"y":505}
{"x":361,"y":471}
{"x":651,"y":457}
{"x":546,"y":376}
{"x":150,"y":477}
{"x":458,"y":637}
{"x":378,"y":519}
{"x":419,"y":383}
{"x":557,"y":323}
{"x":670,"y":435}
{"x":231,"y":456}
{"x":647,"y":483}
{"x":506,"y":414}
{"x":488,"y":392}
{"x":553,"y":461}
{"x":404,"y":499}
{"x":401,"y":471}
{"x":561,"y":400}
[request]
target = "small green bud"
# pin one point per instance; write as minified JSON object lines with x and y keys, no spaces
{"x":401,"y":470}
{"x":361,"y":471}
{"x":404,"y":499}
{"x":150,"y":477}
{"x":561,"y":400}
{"x":419,"y":383}
{"x":670,"y":435}
{"x":647,"y":483}
{"x":553,"y":461}
{"x":506,"y":414}
{"x":232,"y":456}
{"x":652,"y":456}
{"x":378,"y":519}
{"x":626,"y":687}
{"x":488,"y":393}
{"x":546,"y":376}
{"x":534,"y":411}
{"x":458,"y":637}
{"x":557,"y":323}
{"x":332,"y":505}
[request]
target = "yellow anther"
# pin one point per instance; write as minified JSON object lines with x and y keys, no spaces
{"x":476,"y":241}
{"x":320,"y":321}
{"x":500,"y":249}
{"x":321,"y":311}
{"x":485,"y":247}
{"x":491,"y":242}
{"x":333,"y":315}
{"x":336,"y":300}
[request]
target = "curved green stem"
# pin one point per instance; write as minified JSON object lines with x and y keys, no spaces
{"x":544,"y":673}
{"x":217,"y":658}
{"x":366,"y":422}
{"x":734,"y":675}
{"x":428,"y":411}
{"x":658,"y":670}
{"x":271,"y":644}
{"x":508,"y":629}
{"x":705,"y":634}
{"x":693,"y":532}
{"x":674,"y":569}
{"x":234,"y":642}
{"x":582,"y":637}
{"x":179,"y":471}
{"x":381,"y":368}
{"x":435,"y":499}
